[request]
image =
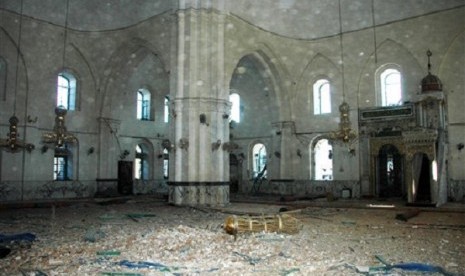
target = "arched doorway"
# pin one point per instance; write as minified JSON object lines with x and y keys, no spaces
{"x":322,"y":160}
{"x":389,"y":170}
{"x":259,"y":159}
{"x":421,"y":178}
{"x":234,"y":172}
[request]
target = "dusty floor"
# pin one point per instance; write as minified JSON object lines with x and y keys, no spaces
{"x":146,"y":236}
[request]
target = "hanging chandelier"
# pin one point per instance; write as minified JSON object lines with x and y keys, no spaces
{"x":59,"y":136}
{"x":12,"y":143}
{"x":345,"y":132}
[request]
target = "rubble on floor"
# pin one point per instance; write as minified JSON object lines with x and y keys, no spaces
{"x":150,"y":237}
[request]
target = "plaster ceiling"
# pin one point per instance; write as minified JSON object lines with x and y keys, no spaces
{"x":303,"y":19}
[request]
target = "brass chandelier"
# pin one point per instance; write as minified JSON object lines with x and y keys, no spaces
{"x":60,"y":135}
{"x":12,"y":143}
{"x":345,"y":132}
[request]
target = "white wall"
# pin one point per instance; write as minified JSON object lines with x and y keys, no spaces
{"x":111,"y":65}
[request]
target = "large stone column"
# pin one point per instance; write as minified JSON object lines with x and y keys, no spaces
{"x":284,"y":146}
{"x":200,"y":172}
{"x":109,"y":148}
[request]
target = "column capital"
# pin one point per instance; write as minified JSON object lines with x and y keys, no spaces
{"x":202,"y":104}
{"x":284,"y":125}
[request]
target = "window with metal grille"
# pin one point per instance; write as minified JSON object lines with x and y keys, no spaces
{"x":391,"y":88}
{"x":143,"y":104}
{"x":259,"y":160}
{"x":141,"y":164}
{"x":321,"y":97}
{"x":66,"y":91}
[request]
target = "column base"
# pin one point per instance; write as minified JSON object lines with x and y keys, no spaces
{"x":198,"y":193}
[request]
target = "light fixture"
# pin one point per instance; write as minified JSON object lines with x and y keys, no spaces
{"x":59,"y":136}
{"x":184,"y":143}
{"x":345,"y":132}
{"x":166,"y":144}
{"x":216,"y":145}
{"x":12,"y":143}
{"x":460,"y":146}
{"x":124,"y":154}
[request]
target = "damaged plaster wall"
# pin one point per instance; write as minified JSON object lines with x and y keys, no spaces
{"x":112,"y":61}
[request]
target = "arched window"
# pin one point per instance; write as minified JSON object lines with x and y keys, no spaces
{"x":391,"y":87}
{"x":62,"y":164}
{"x":166,"y":113}
{"x":143,"y":104}
{"x":235,"y":100}
{"x":259,"y":160}
{"x":66,"y":90}
{"x":3,"y":79}
{"x":321,"y":97}
{"x":323,"y":160}
{"x":165,"y":164}
{"x":141,"y":164}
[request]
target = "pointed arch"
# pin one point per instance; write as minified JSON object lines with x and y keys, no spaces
{"x":389,"y":52}
{"x":85,"y":85}
{"x":275,"y":72}
{"x":319,"y":67}
{"x":321,"y":158}
{"x":132,"y":52}
{"x":143,"y":159}
{"x":16,"y":65}
{"x":88,"y":86}
{"x":254,"y":83}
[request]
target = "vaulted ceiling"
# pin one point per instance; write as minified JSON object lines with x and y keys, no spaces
{"x":302,"y":19}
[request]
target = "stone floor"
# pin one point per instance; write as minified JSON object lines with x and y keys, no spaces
{"x":146,"y":236}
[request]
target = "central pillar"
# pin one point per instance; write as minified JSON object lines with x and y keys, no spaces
{"x":200,"y":172}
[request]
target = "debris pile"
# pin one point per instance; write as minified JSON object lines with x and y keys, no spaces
{"x":153,"y":238}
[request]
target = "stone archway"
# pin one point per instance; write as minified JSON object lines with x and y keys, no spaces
{"x":390,"y":172}
{"x":386,"y":185}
